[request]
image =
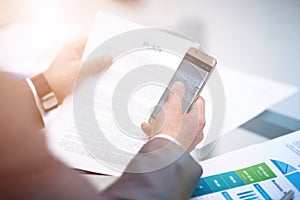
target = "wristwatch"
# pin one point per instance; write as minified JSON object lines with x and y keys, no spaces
{"x":46,"y":95}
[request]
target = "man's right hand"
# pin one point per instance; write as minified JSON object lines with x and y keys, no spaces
{"x":186,"y":128}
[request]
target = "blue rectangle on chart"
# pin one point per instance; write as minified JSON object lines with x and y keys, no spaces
{"x":216,"y":183}
{"x":252,"y":198}
{"x":232,"y":179}
{"x":202,"y":188}
{"x":246,"y":192}
{"x":262,"y":191}
{"x":226,"y":196}
{"x":247,"y":196}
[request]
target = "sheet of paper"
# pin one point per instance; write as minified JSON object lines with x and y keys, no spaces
{"x":246,"y":96}
{"x":262,"y":171}
{"x":63,"y":136}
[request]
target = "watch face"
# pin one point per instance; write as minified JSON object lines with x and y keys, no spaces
{"x":49,"y":101}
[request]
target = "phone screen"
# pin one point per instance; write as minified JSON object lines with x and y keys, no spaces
{"x":193,"y":73}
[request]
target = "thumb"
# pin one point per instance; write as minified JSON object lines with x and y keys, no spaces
{"x":79,"y":45}
{"x":176,"y":94}
{"x":147,"y":128}
{"x":97,"y":65}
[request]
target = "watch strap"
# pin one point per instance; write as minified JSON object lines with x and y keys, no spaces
{"x":45,"y":93}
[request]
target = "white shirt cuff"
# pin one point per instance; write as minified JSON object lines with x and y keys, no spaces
{"x":36,"y":97}
{"x":161,"y":135}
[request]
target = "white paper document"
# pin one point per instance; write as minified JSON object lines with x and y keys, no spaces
{"x":246,"y":96}
{"x":263,"y":171}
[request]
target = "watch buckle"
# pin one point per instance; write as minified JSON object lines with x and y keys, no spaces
{"x":49,"y":101}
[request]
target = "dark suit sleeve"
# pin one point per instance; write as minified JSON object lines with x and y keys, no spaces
{"x":29,"y":171}
{"x":35,"y":114}
{"x":168,"y":174}
{"x":16,"y":92}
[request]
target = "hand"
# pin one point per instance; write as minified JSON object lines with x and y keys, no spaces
{"x":62,"y":73}
{"x":186,"y":128}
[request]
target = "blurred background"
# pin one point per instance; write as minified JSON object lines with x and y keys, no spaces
{"x":258,"y":37}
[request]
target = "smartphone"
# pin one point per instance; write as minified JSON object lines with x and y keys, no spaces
{"x":194,"y":71}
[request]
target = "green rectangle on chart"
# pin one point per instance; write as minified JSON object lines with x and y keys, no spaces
{"x":216,"y":183}
{"x":263,"y":171}
{"x":248,"y":175}
{"x":232,"y":179}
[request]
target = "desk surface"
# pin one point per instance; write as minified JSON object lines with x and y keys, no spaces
{"x":259,"y":37}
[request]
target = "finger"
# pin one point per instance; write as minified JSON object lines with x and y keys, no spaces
{"x":176,"y":95}
{"x":201,"y":104}
{"x":198,"y":107}
{"x":97,"y":65}
{"x":147,"y":128}
{"x":79,"y":45}
{"x":198,"y":112}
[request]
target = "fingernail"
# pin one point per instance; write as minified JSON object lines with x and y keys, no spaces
{"x":178,"y":84}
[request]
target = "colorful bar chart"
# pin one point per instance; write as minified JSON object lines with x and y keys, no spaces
{"x":233,"y":179}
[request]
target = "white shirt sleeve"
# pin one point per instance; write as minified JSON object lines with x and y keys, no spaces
{"x":161,"y":135}
{"x":36,"y":97}
{"x":170,"y":138}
